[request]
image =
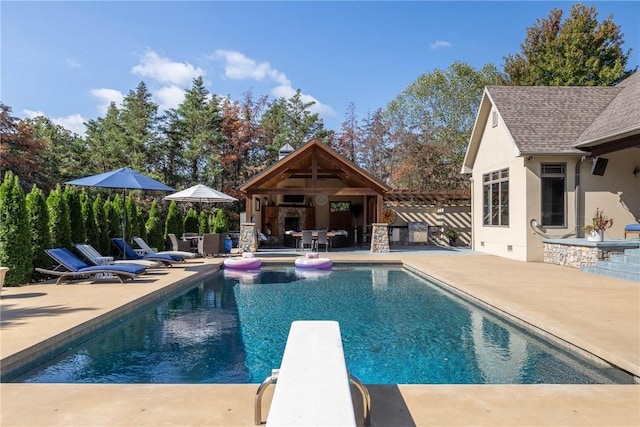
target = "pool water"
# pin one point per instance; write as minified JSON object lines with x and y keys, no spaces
{"x":396,"y":329}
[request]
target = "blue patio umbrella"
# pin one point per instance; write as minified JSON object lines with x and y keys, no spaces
{"x":125,"y":178}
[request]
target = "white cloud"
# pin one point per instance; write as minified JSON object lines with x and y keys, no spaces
{"x":440,"y":43}
{"x":166,"y":71}
{"x":286,"y":91}
{"x":72,"y":63}
{"x":237,"y":66}
{"x":168,"y":97}
{"x":106,"y":97}
{"x":73,"y":123}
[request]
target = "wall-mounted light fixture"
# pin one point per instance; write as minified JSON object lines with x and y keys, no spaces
{"x":530,"y":158}
{"x":636,"y":171}
{"x":266,"y":201}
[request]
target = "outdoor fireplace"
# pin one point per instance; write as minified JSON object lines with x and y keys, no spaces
{"x":292,"y":223}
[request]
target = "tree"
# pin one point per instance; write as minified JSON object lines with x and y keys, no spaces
{"x":15,"y":232}
{"x":577,"y":52}
{"x":191,"y":222}
{"x":106,"y":142}
{"x":173,"y":223}
{"x":431,"y":122}
{"x":103,"y":243}
{"x":38,"y":216}
{"x":350,"y":135}
{"x":195,"y":127}
{"x":153,"y":227}
{"x":92,"y":231}
{"x":76,"y":221}
{"x":19,"y":148}
{"x":63,"y":157}
{"x":139,"y":120}
{"x":220,"y":223}
{"x":59,"y":222}
{"x":376,"y":149}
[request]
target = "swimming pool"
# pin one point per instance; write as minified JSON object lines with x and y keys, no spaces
{"x":396,"y":327}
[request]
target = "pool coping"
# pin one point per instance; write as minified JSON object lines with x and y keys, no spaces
{"x":405,"y":405}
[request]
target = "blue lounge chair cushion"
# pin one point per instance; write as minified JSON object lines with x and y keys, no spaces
{"x":129,"y":253}
{"x":632,"y":227}
{"x":67,"y":259}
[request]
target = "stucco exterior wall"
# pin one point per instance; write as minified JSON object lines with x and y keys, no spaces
{"x":498,"y":152}
{"x":617,"y":191}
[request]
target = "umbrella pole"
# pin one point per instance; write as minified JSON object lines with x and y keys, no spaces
{"x":124,"y":223}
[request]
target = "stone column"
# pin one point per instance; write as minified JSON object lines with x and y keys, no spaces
{"x":380,"y":238}
{"x":248,"y":237}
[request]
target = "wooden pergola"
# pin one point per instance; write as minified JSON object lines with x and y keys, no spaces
{"x":320,"y":174}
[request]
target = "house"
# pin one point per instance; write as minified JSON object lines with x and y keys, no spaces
{"x":314,"y":187}
{"x":553,"y":155}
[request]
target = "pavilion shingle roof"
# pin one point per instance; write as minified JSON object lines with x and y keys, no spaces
{"x":621,"y":115}
{"x":549,"y":119}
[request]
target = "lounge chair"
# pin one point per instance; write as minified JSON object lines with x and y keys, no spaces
{"x":149,"y":251}
{"x":179,"y":245}
{"x":76,"y":268}
{"x":92,"y":255}
{"x":209,"y":244}
{"x":129,"y":253}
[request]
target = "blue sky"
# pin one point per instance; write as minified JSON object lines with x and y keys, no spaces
{"x":67,"y":60}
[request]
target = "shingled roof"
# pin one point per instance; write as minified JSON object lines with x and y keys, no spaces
{"x":549,"y":119}
{"x":621,"y":117}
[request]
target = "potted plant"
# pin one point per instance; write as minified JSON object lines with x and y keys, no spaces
{"x":452,"y":234}
{"x":599,"y":223}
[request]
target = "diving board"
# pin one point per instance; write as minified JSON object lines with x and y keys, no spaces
{"x":312,"y":382}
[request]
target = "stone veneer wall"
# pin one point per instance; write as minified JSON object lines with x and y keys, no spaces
{"x":248,"y":237}
{"x":575,"y":256}
{"x":380,"y":238}
{"x":286,"y":212}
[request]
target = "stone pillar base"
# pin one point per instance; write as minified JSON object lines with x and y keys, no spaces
{"x":248,"y":238}
{"x":380,"y":238}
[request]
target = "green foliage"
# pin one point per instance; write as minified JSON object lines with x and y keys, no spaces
{"x":577,"y":52}
{"x":76,"y":221}
{"x":112,"y":226}
{"x":153,"y":228}
{"x":59,"y":222}
{"x":132,"y":223}
{"x":102,"y":244}
{"x":432,"y":121}
{"x":38,"y":216}
{"x":191,"y":223}
{"x":203,"y":223}
{"x":220,"y":223}
{"x":174,"y":222}
{"x":92,"y":230}
{"x":15,"y":232}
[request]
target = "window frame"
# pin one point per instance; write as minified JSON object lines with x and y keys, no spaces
{"x":496,"y":184}
{"x":550,"y":175}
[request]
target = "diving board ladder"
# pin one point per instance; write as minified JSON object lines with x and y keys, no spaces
{"x":312,"y":382}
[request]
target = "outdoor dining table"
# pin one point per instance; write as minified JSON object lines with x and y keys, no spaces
{"x":314,"y":235}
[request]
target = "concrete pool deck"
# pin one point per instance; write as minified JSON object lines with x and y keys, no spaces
{"x":598,"y":314}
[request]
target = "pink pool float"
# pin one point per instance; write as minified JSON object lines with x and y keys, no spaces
{"x":248,"y":261}
{"x":312,"y":261}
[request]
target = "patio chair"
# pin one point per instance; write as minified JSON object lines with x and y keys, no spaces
{"x":129,"y":253}
{"x":149,"y":251}
{"x":92,"y":255}
{"x":632,"y":229}
{"x":306,"y":240}
{"x":179,"y":245}
{"x":209,"y":244}
{"x":322,"y":239}
{"x":76,"y":268}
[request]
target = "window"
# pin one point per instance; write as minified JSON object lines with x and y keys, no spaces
{"x":340,"y":206}
{"x":494,"y":119}
{"x":553,"y":188}
{"x":495,"y":192}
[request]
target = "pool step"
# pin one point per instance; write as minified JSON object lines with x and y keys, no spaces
{"x":624,"y":266}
